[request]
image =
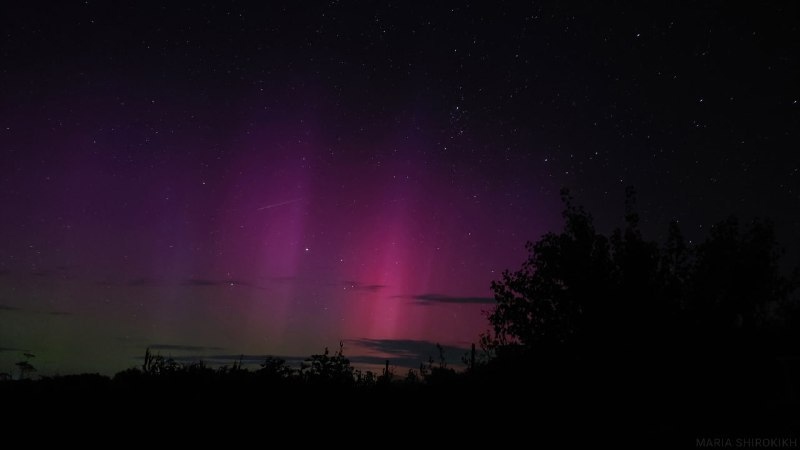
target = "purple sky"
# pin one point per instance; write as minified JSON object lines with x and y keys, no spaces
{"x":225,"y":178}
{"x":138,"y":220}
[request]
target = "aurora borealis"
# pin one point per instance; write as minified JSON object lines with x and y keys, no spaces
{"x":217,"y":180}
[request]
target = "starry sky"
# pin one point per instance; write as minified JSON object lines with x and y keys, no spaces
{"x":220,"y":179}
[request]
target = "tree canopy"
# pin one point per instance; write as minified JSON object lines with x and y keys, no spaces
{"x":582,"y":290}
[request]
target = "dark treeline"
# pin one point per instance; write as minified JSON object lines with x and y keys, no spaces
{"x":702,"y":338}
{"x":616,"y":334}
{"x":624,"y":298}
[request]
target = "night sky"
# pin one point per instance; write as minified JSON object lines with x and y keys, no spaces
{"x":216,"y":180}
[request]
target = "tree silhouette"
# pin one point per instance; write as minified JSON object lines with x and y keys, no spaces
{"x":736,"y":277}
{"x":544,"y":304}
{"x":583,"y":292}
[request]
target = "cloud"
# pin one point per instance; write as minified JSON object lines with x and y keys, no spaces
{"x":256,"y":359}
{"x":409,"y":362}
{"x":184,"y":348}
{"x":403,"y":352}
{"x":9,"y":349}
{"x":200,"y":282}
{"x":403,"y":346}
{"x":9,"y":308}
{"x":356,"y":286}
{"x":135,"y":282}
{"x":285,"y":279}
{"x":412,"y":361}
{"x":196,"y":282}
{"x":142,"y":282}
{"x":205,"y":282}
{"x":60,"y":271}
{"x":406,"y":353}
{"x":430,"y":299}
